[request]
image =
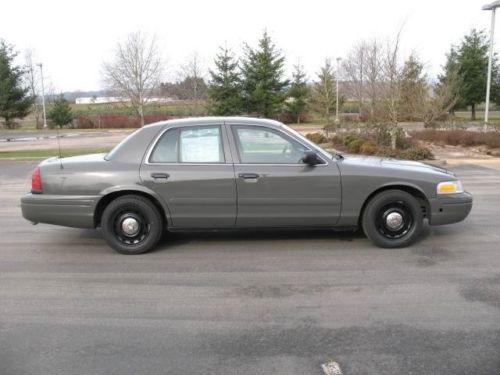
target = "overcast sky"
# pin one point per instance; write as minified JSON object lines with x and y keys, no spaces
{"x":72,"y":38}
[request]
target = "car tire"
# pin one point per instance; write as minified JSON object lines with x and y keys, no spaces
{"x":132,"y":224}
{"x":393,"y":219}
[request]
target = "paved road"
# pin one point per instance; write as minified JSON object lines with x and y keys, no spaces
{"x":249,"y":303}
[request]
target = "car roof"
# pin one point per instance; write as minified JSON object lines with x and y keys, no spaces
{"x":207,"y":120}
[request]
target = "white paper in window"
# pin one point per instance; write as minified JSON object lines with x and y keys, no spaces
{"x":200,"y":149}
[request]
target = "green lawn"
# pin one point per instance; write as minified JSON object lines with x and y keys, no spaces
{"x":42,"y":154}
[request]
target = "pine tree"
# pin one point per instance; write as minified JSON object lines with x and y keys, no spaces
{"x":469,"y":61}
{"x":15,"y":101}
{"x":224,"y":90}
{"x":264,"y":88}
{"x":413,"y":89}
{"x":61,"y":113}
{"x":298,"y":94}
{"x":451,"y":80}
{"x":323,"y":93}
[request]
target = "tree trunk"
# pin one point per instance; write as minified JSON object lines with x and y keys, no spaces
{"x":473,"y":112}
{"x":394,"y":137}
{"x":141,"y":115}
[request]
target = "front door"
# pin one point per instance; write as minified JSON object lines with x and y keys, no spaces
{"x":275,"y":188}
{"x":189,"y":168}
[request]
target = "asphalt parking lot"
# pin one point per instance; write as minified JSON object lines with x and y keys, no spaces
{"x":250,"y":303}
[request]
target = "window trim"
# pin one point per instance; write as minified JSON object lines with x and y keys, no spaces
{"x":181,"y":128}
{"x":285,"y":135}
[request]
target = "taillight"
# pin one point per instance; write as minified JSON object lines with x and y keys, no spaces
{"x":36,"y":181}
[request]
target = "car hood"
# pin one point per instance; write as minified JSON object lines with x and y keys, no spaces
{"x":394,"y":164}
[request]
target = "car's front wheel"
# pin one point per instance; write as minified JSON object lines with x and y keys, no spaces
{"x":392,"y":219}
{"x":131,"y":224}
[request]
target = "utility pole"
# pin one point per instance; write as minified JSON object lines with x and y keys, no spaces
{"x":493,"y":6}
{"x":43,"y":97}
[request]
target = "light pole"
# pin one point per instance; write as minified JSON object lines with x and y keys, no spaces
{"x":337,"y":93}
{"x":493,"y":6}
{"x":43,"y":97}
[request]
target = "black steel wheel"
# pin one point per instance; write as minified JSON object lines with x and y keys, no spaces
{"x":393,"y":218}
{"x":132,"y":224}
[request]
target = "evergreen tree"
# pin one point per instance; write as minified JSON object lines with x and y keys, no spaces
{"x":469,"y":61}
{"x":298,"y":94}
{"x":224,"y":90}
{"x":413,"y":89}
{"x":15,"y":101}
{"x":61,"y":113}
{"x":451,"y":80}
{"x":264,"y":88}
{"x":323,"y":94}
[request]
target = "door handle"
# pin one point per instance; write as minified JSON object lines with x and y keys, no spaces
{"x":248,"y":175}
{"x":158,"y":176}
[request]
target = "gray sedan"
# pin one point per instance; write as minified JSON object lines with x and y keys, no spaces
{"x":235,"y":173}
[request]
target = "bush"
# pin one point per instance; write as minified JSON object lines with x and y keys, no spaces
{"x":368,"y":148}
{"x":459,"y":137}
{"x":115,"y":121}
{"x":418,"y":153}
{"x":413,"y":153}
{"x":317,"y":138}
{"x":355,"y":145}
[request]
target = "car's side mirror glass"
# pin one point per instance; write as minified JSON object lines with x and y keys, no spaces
{"x":311,"y":158}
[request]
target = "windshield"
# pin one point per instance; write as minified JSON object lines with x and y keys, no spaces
{"x":308,"y":142}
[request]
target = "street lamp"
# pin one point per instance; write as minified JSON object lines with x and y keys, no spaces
{"x":43,"y":98}
{"x":337,"y":94}
{"x":493,"y":6}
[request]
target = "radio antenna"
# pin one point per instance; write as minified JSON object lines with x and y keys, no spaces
{"x":59,"y":146}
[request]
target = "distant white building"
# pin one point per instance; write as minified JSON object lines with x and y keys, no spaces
{"x":114,"y":99}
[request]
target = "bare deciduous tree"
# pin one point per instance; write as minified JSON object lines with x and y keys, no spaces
{"x":390,"y":88}
{"x":193,"y":80}
{"x":32,"y":79}
{"x":354,"y":71}
{"x":135,"y":70}
{"x":373,"y":74}
{"x":441,"y":100}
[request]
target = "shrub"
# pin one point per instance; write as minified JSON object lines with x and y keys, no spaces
{"x":350,"y":138}
{"x":368,"y":148}
{"x":116,"y":121}
{"x":457,"y":137}
{"x":413,"y":153}
{"x":355,"y":145}
{"x":418,"y":153}
{"x":317,"y":138}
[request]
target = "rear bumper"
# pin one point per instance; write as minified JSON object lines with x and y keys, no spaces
{"x":69,"y":211}
{"x":450,"y":209}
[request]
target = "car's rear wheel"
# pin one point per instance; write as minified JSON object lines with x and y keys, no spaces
{"x":392,"y":219}
{"x":131,"y":224}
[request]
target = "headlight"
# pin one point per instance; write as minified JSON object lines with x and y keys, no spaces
{"x":450,"y":187}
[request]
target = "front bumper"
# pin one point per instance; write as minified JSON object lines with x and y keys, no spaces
{"x":450,"y":208}
{"x":65,"y":210}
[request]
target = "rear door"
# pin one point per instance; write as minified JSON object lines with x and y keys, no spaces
{"x":274,"y":187}
{"x":191,"y":168}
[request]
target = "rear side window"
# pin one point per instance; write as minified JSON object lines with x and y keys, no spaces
{"x":201,"y":144}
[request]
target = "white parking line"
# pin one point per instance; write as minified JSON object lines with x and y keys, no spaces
{"x":331,"y":368}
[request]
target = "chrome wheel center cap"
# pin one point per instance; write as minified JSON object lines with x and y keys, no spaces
{"x":130,"y":226}
{"x":394,"y":221}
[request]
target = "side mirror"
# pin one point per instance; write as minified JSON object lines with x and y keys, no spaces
{"x":311,"y":158}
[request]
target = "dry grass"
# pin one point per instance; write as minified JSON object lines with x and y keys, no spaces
{"x":464,"y":138}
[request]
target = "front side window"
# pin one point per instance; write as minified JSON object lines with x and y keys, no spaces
{"x":189,"y":145}
{"x":259,"y":145}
